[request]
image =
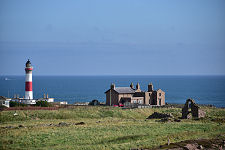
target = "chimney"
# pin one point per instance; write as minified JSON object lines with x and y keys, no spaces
{"x":113,"y":86}
{"x":150,"y":87}
{"x":138,"y":86}
{"x":132,"y":85}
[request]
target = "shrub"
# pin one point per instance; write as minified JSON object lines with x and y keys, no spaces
{"x":94,"y":102}
{"x":16,"y":104}
{"x":43,"y":104}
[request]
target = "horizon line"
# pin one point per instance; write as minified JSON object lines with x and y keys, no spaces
{"x":131,"y":75}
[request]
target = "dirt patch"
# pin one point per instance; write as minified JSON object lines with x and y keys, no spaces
{"x":157,"y":115}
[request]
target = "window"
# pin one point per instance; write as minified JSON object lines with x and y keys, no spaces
{"x":160,"y":94}
{"x":134,"y":101}
{"x":160,"y":101}
{"x":140,"y":101}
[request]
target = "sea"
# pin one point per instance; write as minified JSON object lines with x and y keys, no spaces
{"x":203,"y":89}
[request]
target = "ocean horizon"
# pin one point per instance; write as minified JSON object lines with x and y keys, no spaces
{"x":204,"y":89}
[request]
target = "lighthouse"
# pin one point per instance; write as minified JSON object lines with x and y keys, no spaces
{"x":28,"y":81}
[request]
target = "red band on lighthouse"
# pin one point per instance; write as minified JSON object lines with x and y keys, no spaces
{"x":28,"y":69}
{"x":28,"y":86}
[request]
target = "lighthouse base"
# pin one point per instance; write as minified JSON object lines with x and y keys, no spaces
{"x":29,"y":101}
{"x":28,"y":95}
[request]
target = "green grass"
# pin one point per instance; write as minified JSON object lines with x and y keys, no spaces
{"x":104,"y":128}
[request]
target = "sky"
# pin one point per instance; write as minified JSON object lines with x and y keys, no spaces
{"x":113,"y":37}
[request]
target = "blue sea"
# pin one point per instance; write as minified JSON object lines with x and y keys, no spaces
{"x":203,"y":89}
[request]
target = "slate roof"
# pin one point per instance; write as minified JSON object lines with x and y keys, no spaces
{"x":2,"y":98}
{"x":124,"y":90}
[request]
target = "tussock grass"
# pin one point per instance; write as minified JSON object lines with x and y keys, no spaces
{"x":104,"y":128}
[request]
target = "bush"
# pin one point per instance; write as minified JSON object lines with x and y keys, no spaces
{"x":43,"y":104}
{"x":16,"y":104}
{"x":94,"y":102}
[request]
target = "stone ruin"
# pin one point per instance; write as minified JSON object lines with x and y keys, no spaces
{"x":191,"y":109}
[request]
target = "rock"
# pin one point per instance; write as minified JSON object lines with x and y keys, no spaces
{"x":177,"y":120}
{"x":63,"y":124}
{"x":9,"y":127}
{"x":171,"y":115}
{"x":201,"y":113}
{"x":80,"y":123}
{"x":189,"y":116}
{"x":168,"y":142}
{"x":191,"y":146}
{"x":21,"y":126}
{"x":200,"y":147}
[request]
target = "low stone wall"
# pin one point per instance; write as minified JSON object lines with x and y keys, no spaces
{"x":31,"y":108}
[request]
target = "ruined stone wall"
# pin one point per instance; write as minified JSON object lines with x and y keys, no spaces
{"x":191,"y":109}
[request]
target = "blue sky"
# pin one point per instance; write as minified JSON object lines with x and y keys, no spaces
{"x":113,"y":37}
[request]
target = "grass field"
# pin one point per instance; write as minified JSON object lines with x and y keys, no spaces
{"x":103,"y":128}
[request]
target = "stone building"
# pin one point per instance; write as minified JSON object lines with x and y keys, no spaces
{"x":120,"y":95}
{"x":191,"y":109}
{"x":4,"y":101}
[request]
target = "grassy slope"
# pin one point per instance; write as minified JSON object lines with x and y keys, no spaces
{"x":105,"y":128}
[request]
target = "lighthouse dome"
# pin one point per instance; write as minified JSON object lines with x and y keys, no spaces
{"x":28,"y":63}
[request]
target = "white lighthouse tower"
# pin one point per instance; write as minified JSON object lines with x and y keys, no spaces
{"x":28,"y":84}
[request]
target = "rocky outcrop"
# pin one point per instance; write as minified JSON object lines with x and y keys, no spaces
{"x":201,"y":144}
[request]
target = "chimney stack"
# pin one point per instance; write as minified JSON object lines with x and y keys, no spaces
{"x":113,"y":86}
{"x":150,"y":87}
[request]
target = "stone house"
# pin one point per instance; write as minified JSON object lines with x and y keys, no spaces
{"x":120,"y":95}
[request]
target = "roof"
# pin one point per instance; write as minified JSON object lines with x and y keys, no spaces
{"x":160,"y":90}
{"x":2,"y":98}
{"x":124,"y":90}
